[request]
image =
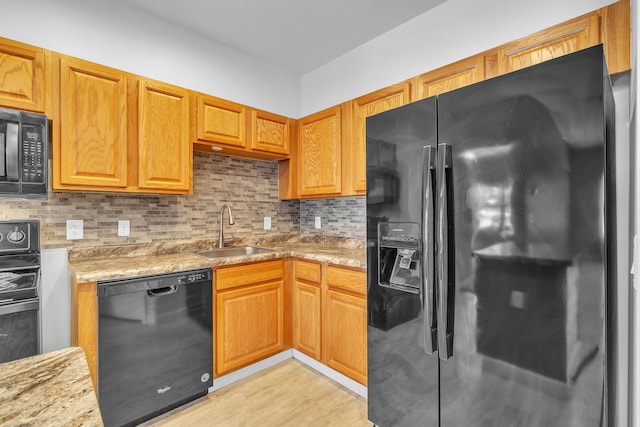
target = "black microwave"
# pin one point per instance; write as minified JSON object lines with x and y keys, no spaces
{"x":24,"y":142}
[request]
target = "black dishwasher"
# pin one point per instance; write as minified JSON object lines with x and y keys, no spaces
{"x":155,"y":344}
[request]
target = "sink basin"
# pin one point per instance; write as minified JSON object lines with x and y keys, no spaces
{"x":226,"y":252}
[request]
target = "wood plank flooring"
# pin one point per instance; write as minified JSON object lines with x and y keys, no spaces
{"x":288,"y":394}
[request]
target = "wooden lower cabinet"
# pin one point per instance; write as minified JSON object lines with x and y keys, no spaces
{"x":345,"y":323}
{"x":346,"y":335}
{"x":249,"y":317}
{"x":307,"y":309}
{"x":84,"y":323}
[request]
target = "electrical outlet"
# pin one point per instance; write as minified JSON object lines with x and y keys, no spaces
{"x":75,"y":229}
{"x":267,"y":223}
{"x":318,"y":222}
{"x":123,"y":228}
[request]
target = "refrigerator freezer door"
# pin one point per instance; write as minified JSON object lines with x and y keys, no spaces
{"x":528,"y":173}
{"x":402,"y":377}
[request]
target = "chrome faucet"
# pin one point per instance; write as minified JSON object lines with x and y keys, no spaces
{"x":221,"y":236}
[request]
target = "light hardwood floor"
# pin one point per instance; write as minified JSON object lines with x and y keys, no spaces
{"x":288,"y":394}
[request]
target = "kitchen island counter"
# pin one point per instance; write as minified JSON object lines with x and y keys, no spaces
{"x":51,"y":389}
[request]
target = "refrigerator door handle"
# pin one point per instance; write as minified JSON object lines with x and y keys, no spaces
{"x":444,"y":241}
{"x":428,"y":229}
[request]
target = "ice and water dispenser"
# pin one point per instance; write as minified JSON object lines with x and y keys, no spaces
{"x":399,"y":253}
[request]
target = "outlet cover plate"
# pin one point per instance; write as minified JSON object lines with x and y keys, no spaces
{"x":318,"y":222}
{"x":75,"y":229}
{"x":267,"y":223}
{"x":123,"y":228}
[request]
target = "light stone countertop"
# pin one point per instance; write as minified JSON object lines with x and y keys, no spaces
{"x":51,"y":389}
{"x":94,"y":264}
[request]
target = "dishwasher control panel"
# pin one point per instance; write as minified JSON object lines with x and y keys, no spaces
{"x":194,"y":276}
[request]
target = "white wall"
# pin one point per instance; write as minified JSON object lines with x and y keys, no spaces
{"x":452,"y":31}
{"x":109,"y":33}
{"x":635,"y":173}
{"x":113,"y":34}
{"x":621,"y":93}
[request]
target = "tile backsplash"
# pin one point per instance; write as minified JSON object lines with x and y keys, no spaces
{"x":249,"y":186}
{"x":344,"y":217}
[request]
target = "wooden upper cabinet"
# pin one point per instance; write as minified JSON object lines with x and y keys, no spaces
{"x":22,"y":79}
{"x":226,"y":127}
{"x":165,"y":160}
{"x":557,"y":41}
{"x":93,"y":109}
{"x":319,"y":153}
{"x":363,"y":107}
{"x":615,"y":36}
{"x":450,"y":77}
{"x":270,"y":132}
{"x":221,"y":121}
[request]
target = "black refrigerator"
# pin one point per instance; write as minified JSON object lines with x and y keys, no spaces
{"x":490,"y":227}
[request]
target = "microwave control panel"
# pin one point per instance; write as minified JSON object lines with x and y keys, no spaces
{"x":33,"y":154}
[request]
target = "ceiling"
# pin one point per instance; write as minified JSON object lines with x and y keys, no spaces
{"x":295,"y":35}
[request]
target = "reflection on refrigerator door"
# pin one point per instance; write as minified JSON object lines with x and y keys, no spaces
{"x":522,"y":258}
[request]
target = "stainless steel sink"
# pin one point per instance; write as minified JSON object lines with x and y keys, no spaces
{"x":226,"y":252}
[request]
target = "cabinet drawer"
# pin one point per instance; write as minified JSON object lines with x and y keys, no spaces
{"x":308,"y":271}
{"x":247,"y":274}
{"x":350,"y":280}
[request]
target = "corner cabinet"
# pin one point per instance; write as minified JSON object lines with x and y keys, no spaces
{"x":330,"y":316}
{"x":22,"y":76}
{"x":165,"y":161}
{"x":319,"y":157}
{"x":249,"y":314}
{"x":121,"y":133}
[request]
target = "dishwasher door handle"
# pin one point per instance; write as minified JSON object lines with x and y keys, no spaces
{"x":163,"y":291}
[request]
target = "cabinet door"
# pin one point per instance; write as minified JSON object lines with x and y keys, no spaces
{"x":559,"y":40}
{"x":249,"y":325}
{"x":222,"y":121}
{"x":319,"y":156}
{"x":164,"y":150}
{"x":450,"y":77}
{"x":363,"y":107}
{"x":270,"y":132}
{"x":21,"y":76}
{"x":93,"y":141}
{"x":306,"y":319}
{"x":346,"y":334}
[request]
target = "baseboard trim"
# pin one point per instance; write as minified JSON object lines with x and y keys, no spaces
{"x":231,"y":378}
{"x":336,"y":376}
{"x":332,"y":374}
